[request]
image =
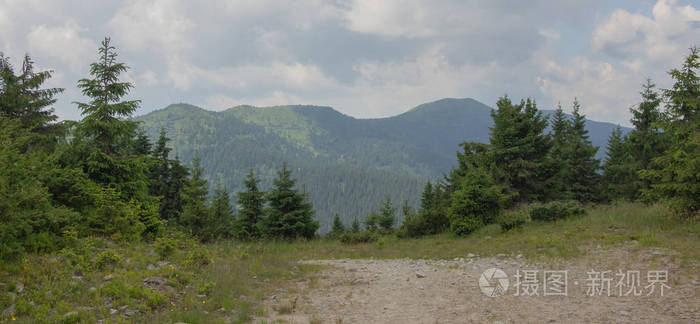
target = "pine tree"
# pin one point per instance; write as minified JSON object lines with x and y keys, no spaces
{"x":387,"y":215}
{"x":220,"y":222}
{"x":675,"y":177}
{"x":519,"y":149}
{"x":581,"y":166}
{"x":427,"y":199}
{"x":619,"y":170}
{"x":22,"y":98}
{"x":103,"y":115}
{"x":477,"y":202}
{"x":355,"y":227}
{"x":251,"y":203}
{"x":647,"y":141}
{"x":194,"y":195}
{"x":561,"y":137}
{"x":338,"y":227}
{"x":290,"y":214}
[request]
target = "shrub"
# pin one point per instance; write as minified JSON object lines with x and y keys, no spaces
{"x":165,"y":246}
{"x":513,"y":219}
{"x":359,"y":237}
{"x":552,"y":211}
{"x":477,"y":202}
{"x":198,"y":257}
{"x":414,"y":225}
{"x":107,"y":258}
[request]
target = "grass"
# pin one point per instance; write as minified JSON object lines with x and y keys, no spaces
{"x":230,"y":280}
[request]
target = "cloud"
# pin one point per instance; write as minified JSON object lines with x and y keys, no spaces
{"x":663,"y":37}
{"x":63,"y":43}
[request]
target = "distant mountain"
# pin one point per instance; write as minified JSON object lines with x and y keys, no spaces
{"x":347,"y":165}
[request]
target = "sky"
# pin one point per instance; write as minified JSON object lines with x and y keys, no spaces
{"x":364,"y":58}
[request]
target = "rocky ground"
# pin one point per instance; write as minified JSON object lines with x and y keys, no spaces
{"x":447,"y":291}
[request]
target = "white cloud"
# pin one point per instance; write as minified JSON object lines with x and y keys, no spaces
{"x":149,"y":78}
{"x":160,"y":24}
{"x":64,"y":43}
{"x":660,"y":38}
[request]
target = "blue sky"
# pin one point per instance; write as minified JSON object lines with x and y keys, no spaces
{"x":365,"y":58}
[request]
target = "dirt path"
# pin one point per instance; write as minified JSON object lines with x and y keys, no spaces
{"x":434,"y":291}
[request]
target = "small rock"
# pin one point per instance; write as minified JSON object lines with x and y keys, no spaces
{"x":420,"y":275}
{"x":520,"y":256}
{"x":360,"y":282}
{"x":163,"y":263}
{"x":70,"y":314}
{"x":201,"y":296}
{"x":20,"y":287}
{"x":108,"y":277}
{"x":9,"y":310}
{"x":92,"y":289}
{"x":470,"y":255}
{"x":154,"y":280}
{"x":623,"y":313}
{"x":113,"y":311}
{"x":77,"y":278}
{"x":131,"y":312}
{"x":501,"y":255}
{"x":221,"y":310}
{"x":151,"y":267}
{"x":694,"y":282}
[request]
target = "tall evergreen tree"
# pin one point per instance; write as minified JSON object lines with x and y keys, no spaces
{"x":103,"y":116}
{"x":22,"y":98}
{"x":355,"y":226}
{"x":221,"y":219}
{"x":561,"y":137}
{"x":195,"y":210}
{"x":338,"y":227}
{"x":619,"y":172}
{"x":647,"y":141}
{"x":387,"y":215}
{"x":675,"y":179}
{"x":581,"y":169}
{"x":519,"y":149}
{"x":427,"y":199}
{"x":251,"y":203}
{"x":289,"y":214}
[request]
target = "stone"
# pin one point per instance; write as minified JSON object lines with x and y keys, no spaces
{"x":154,"y":280}
{"x":113,"y":311}
{"x":420,"y":275}
{"x":92,"y":289}
{"x":470,"y":255}
{"x":108,"y":277}
{"x":20,"y":287}
{"x":131,"y":312}
{"x":9,"y":310}
{"x":623,"y":313}
{"x":70,"y":314}
{"x":151,"y":267}
{"x":77,"y":278}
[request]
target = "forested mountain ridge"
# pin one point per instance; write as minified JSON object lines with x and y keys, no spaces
{"x":347,"y":165}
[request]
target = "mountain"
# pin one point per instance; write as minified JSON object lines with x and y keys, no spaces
{"x":347,"y":165}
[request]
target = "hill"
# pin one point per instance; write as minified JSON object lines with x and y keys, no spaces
{"x":347,"y":165}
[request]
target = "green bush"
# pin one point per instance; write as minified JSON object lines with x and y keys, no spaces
{"x":513,"y":219}
{"x":198,"y":257}
{"x":552,"y":211}
{"x":107,"y":258}
{"x":359,"y":237}
{"x":165,"y":246}
{"x":478,"y":201}
{"x":414,"y":225}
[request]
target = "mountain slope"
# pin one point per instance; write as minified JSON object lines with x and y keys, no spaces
{"x":347,"y":165}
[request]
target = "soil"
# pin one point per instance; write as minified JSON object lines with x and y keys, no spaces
{"x":447,"y":291}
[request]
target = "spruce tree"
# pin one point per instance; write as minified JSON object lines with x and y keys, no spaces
{"x":387,"y":215}
{"x":519,"y":149}
{"x":220,"y":222}
{"x":290,"y":214}
{"x":558,"y":163}
{"x":427,"y":199}
{"x":250,"y":202}
{"x":194,"y":195}
{"x":104,"y":122}
{"x":647,"y":141}
{"x":355,"y":226}
{"x":22,"y":98}
{"x":338,"y":227}
{"x":581,"y":170}
{"x":675,"y":177}
{"x":619,"y":173}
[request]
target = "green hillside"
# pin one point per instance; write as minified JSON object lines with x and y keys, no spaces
{"x":347,"y":165}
